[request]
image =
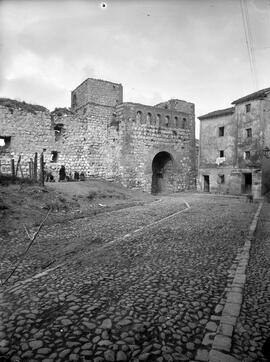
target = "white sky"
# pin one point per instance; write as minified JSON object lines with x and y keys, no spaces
{"x":193,"y":50}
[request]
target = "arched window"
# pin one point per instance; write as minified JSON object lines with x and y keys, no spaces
{"x":184,"y":124}
{"x":149,"y":118}
{"x":167,"y":121}
{"x":176,"y":121}
{"x":158,"y":122}
{"x":139,"y":117}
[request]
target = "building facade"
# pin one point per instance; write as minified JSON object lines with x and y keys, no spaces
{"x":234,"y":142}
{"x":146,"y":147}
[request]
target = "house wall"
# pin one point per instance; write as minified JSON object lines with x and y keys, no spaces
{"x":235,"y":143}
{"x":266,"y":143}
{"x":210,"y":145}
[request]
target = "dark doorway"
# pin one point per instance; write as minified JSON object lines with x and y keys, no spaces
{"x":206,"y":183}
{"x":247,"y":183}
{"x":162,"y":168}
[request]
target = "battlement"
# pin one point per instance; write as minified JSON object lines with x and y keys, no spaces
{"x":177,"y":105}
{"x":96,"y":91}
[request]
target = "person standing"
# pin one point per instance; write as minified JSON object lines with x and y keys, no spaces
{"x":62,"y":173}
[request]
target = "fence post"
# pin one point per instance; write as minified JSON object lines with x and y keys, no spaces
{"x":35,"y":167}
{"x":18,"y":165}
{"x":13,"y":168}
{"x":30,"y":169}
{"x":42,"y":169}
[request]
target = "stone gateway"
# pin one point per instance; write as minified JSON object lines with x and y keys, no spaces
{"x":141,"y":146}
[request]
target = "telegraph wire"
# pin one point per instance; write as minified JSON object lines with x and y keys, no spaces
{"x":249,"y":41}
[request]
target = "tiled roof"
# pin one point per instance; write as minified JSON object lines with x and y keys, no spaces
{"x":259,"y":94}
{"x":220,"y":112}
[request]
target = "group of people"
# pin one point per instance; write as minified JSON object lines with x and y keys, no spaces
{"x":63,"y":175}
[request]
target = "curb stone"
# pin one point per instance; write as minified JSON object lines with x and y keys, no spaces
{"x":216,"y":347}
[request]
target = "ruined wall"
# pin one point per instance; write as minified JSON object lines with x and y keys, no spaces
{"x":81,"y":146}
{"x":29,"y":132}
{"x":103,"y":138}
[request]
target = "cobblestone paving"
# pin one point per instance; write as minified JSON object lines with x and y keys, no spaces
{"x":59,"y":241}
{"x":146,"y":298}
{"x":253,"y":326}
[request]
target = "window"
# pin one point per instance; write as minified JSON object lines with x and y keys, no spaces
{"x":167,"y":120}
{"x":221,"y":153}
{"x":247,"y":108}
{"x":247,"y":155}
{"x":58,"y":130}
{"x":5,"y":141}
{"x":249,"y":132}
{"x":139,"y":116}
{"x":54,"y":156}
{"x":184,"y":124}
{"x":221,"y":179}
{"x":221,"y":131}
{"x":149,"y":118}
{"x":176,"y":120}
{"x":158,"y":122}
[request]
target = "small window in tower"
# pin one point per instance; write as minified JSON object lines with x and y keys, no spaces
{"x":54,"y":156}
{"x":221,"y":131}
{"x":167,"y":121}
{"x":158,"y":120}
{"x":149,"y":118}
{"x":139,"y":116}
{"x":176,"y":121}
{"x":248,"y":108}
{"x":221,"y":153}
{"x":249,"y":132}
{"x":184,"y":123}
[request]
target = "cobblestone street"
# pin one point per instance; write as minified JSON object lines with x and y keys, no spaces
{"x":147,"y":296}
{"x":253,"y":326}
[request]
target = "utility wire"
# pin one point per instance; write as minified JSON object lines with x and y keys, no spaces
{"x":249,"y":41}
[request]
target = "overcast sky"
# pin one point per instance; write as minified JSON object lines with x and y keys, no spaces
{"x":193,"y":50}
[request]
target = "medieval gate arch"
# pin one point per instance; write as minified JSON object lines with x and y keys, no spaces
{"x":163,"y":172}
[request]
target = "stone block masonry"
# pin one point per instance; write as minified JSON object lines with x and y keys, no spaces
{"x":146,"y":147}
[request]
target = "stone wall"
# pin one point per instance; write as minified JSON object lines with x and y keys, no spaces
{"x":104,"y":138}
{"x":29,"y":133}
{"x":98,"y":92}
{"x":136,"y":141}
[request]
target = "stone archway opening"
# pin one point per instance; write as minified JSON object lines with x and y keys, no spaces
{"x":162,"y":170}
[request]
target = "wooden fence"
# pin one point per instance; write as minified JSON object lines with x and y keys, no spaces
{"x":33,"y":174}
